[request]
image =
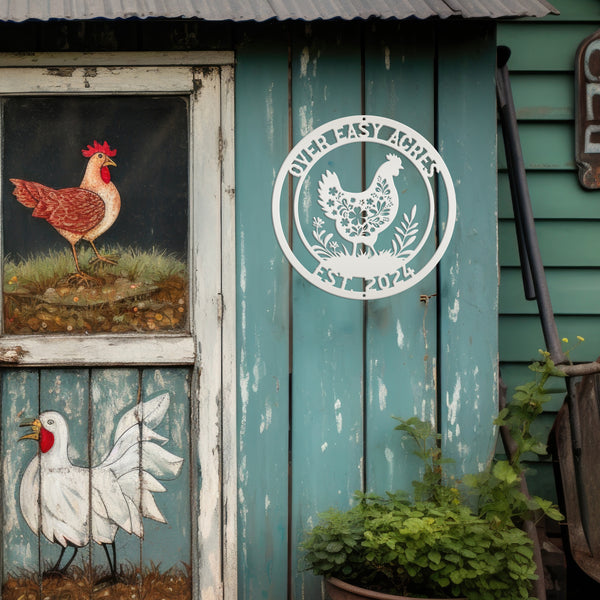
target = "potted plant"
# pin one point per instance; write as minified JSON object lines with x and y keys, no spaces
{"x":451,"y":539}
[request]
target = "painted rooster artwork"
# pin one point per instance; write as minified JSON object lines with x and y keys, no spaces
{"x":58,"y":497}
{"x":77,"y":213}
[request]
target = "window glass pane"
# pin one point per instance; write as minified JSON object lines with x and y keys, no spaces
{"x":133,"y":212}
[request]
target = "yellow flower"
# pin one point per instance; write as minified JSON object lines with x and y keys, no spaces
{"x":565,"y":340}
{"x":580,"y":338}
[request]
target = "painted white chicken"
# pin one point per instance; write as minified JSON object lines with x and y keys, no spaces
{"x":361,"y":216}
{"x":55,"y":493}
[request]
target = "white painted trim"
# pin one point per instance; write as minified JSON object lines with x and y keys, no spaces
{"x":206,"y":232}
{"x":96,"y":80}
{"x":101,"y":350}
{"x":229,"y":370}
{"x":116,"y":59}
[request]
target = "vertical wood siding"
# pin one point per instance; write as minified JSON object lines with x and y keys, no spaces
{"x":567,"y":216}
{"x":320,"y":376}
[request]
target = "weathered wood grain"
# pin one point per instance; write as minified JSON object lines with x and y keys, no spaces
{"x":169,"y":544}
{"x":116,"y":59}
{"x":468,"y":272}
{"x":262,"y":319}
{"x":206,"y":181}
{"x":401,"y":337}
{"x":98,"y":350}
{"x":20,"y":400}
{"x":327,"y":349}
{"x":229,"y":371}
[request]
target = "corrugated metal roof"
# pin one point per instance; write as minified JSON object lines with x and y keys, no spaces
{"x":262,"y":10}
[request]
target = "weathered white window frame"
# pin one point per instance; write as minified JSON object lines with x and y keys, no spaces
{"x":207,"y":79}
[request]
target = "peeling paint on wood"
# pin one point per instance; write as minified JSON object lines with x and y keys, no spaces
{"x":353,"y":368}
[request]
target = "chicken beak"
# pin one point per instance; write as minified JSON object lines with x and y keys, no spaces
{"x":109,"y":162}
{"x":35,"y":425}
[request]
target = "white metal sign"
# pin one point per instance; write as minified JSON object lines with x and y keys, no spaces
{"x":374,"y":242}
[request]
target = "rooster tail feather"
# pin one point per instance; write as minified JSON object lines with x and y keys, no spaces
{"x":25,"y":192}
{"x":159,"y":462}
{"x":150,"y":413}
{"x":139,"y":490}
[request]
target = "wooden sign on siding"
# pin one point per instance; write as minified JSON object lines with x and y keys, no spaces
{"x":587,"y":112}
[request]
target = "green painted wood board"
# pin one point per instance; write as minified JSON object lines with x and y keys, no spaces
{"x":573,"y":10}
{"x":174,"y":503}
{"x":562,"y":243}
{"x":468,"y":334}
{"x":20,"y":400}
{"x":342,"y":374}
{"x":573,"y":291}
{"x":263,"y":318}
{"x":400,"y":354}
{"x":543,"y":46}
{"x":554,"y":195}
{"x":546,"y":145}
{"x":521,"y":336}
{"x":543,"y":96}
{"x":327,"y":349}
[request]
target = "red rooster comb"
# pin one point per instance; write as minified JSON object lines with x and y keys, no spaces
{"x":91,"y":150}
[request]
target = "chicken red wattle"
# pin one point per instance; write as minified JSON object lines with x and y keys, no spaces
{"x":46,"y":440}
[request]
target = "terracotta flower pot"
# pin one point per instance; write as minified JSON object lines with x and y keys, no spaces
{"x":340,"y":590}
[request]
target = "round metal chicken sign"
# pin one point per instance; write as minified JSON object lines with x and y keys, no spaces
{"x":373,"y":207}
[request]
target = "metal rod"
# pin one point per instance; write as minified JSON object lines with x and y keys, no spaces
{"x":532,"y":264}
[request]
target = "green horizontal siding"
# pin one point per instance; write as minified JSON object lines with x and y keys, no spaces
{"x":521,"y":336}
{"x":543,"y":46}
{"x":575,"y":10}
{"x":565,"y":243}
{"x":554,"y":195}
{"x":547,"y":145}
{"x":543,"y":96}
{"x":567,"y":216}
{"x":573,"y":291}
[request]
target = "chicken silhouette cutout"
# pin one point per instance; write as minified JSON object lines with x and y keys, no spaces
{"x":83,"y":212}
{"x":360,"y":217}
{"x":55,"y":493}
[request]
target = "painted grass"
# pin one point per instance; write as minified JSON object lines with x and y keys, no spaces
{"x":40,"y":272}
{"x":82,"y":583}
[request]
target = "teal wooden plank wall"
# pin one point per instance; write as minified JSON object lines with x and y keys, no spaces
{"x":319,"y":376}
{"x":567,"y":216}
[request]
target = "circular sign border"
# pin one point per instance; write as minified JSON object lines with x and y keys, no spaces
{"x":284,"y":173}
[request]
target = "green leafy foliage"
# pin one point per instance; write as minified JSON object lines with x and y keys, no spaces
{"x":421,"y":549}
{"x":438,"y":545}
{"x":499,"y":490}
